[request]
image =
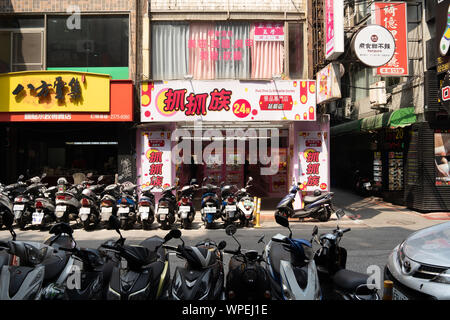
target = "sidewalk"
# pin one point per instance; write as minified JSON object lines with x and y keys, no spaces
{"x":365,"y":212}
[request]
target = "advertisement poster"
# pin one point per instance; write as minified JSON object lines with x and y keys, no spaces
{"x":442,"y":157}
{"x":329,"y":83}
{"x":278,"y":182}
{"x":156,"y":168}
{"x":392,"y":16}
{"x":377,"y":169}
{"x":395,"y":171}
{"x":313,"y":161}
{"x":231,"y":100}
{"x":334,"y":28}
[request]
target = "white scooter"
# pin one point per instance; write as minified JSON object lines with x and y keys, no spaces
{"x":291,"y":267}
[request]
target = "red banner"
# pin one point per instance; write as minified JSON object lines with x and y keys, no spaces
{"x":275,"y":102}
{"x":392,"y":16}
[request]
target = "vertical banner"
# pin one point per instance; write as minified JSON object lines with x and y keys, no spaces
{"x":313,"y":148}
{"x":392,"y":16}
{"x":442,"y":157}
{"x":127,"y":167}
{"x":156,"y":168}
{"x":334,"y":28}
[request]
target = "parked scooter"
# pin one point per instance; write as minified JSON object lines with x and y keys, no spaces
{"x":167,"y":207}
{"x":229,"y":212}
{"x":44,"y":207}
{"x":247,"y":279}
{"x":186,"y":209}
{"x":6,"y":206}
{"x":42,"y":269}
{"x":146,"y":207}
{"x":202,"y":278}
{"x":291,"y":267}
{"x":338,"y":283}
{"x":67,"y":200}
{"x":127,"y":205}
{"x":24,"y":202}
{"x":108,"y":205}
{"x":362,"y":185}
{"x":210,"y":205}
{"x":146,"y":275}
{"x":246,"y":205}
{"x":318,"y":206}
{"x":89,"y":213}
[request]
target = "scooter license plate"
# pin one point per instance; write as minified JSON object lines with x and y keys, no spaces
{"x":107,"y":210}
{"x":106,"y":215}
{"x":210,"y":210}
{"x":144,"y":210}
{"x":184,"y":209}
{"x":367,"y":184}
{"x":84,"y":210}
{"x":163,"y":211}
{"x":124,"y":210}
{"x":144,"y":215}
{"x":184,"y":214}
{"x":18,"y":207}
{"x":37,"y":217}
{"x":84,"y":216}
{"x":61,"y":208}
{"x":230,"y":208}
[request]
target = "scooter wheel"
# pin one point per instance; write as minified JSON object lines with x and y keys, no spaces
{"x":209,"y":225}
{"x":324,"y":216}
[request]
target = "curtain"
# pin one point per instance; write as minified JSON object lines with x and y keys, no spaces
{"x":267,"y":57}
{"x":201,"y":65}
{"x":169,"y":50}
{"x":233,"y":55}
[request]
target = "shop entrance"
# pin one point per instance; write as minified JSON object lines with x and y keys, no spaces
{"x":236,"y":167}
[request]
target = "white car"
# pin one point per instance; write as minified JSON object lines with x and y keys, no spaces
{"x":420,"y":265}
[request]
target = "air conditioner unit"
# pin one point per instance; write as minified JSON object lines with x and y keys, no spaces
{"x":347,"y":105}
{"x":85,"y":46}
{"x":377,"y":93}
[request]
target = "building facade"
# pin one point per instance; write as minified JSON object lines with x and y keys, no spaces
{"x":85,"y":53}
{"x":382,"y":119}
{"x":227,"y":90}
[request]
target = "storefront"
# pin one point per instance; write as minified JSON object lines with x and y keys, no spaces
{"x":377,"y":147}
{"x":64,"y":122}
{"x":229,"y":130}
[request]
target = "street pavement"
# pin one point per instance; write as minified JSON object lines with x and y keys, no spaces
{"x":377,"y":227}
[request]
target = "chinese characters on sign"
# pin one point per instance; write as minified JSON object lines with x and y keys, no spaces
{"x":392,"y":16}
{"x":195,"y":104}
{"x":269,"y":31}
{"x":43,"y":91}
{"x":155,"y":160}
{"x":313,"y":157}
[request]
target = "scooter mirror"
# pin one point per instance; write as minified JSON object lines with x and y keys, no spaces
{"x":43,"y":175}
{"x":100,"y":178}
{"x":340,"y":213}
{"x":250,"y":179}
{"x":8,"y":220}
{"x":193,"y":181}
{"x":281,"y":220}
{"x":114,"y":222}
{"x":261,"y":240}
{"x":173,"y":234}
{"x":222,"y":245}
{"x":315,"y":231}
{"x":20,"y":177}
{"x":204,"y":179}
{"x":230,"y":230}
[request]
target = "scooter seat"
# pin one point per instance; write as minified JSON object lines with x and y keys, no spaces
{"x":349,"y":280}
{"x":311,"y":199}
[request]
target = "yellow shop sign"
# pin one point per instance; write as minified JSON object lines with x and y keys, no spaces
{"x":54,"y":91}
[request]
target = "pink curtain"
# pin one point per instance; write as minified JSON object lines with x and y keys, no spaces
{"x":267,"y":57}
{"x":201,"y":65}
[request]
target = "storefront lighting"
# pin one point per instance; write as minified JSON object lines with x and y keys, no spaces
{"x":92,"y":143}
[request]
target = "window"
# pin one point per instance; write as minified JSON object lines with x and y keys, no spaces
{"x":21,"y":43}
{"x":101,"y":41}
{"x":217,"y":50}
{"x":296,"y":54}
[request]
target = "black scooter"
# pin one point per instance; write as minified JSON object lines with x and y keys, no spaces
{"x":318,"y":206}
{"x":336,"y":282}
{"x":146,"y":274}
{"x":203,"y":276}
{"x":167,"y":208}
{"x":186,"y":209}
{"x":246,"y":278}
